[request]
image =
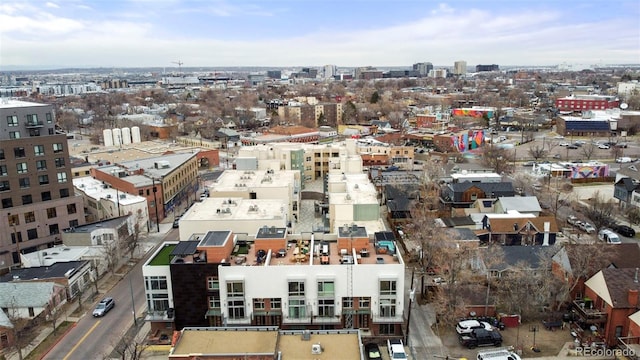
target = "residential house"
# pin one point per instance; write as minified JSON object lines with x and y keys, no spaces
{"x":464,"y":194}
{"x":570,"y":261}
{"x":31,"y":300}
{"x":514,"y":228}
{"x":522,"y":204}
{"x":611,"y":297}
{"x":528,"y":258}
{"x":7,"y":338}
{"x":74,"y":276}
{"x":624,"y":190}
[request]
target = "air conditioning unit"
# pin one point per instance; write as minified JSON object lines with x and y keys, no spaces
{"x":316,"y":349}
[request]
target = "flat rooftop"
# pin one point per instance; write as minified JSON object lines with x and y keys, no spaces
{"x":236,"y":341}
{"x":339,"y":345}
{"x":234,"y":180}
{"x":11,"y":103}
{"x":227,"y":209}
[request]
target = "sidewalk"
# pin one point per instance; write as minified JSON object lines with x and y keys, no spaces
{"x":105,"y":284}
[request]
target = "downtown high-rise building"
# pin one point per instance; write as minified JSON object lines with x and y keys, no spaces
{"x":423,"y":68}
{"x":459,"y":67}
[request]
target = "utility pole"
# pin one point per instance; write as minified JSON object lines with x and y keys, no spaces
{"x":411,"y":297}
{"x":155,"y":201}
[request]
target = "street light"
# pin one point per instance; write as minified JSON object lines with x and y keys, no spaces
{"x":133,"y":304}
{"x":155,"y":201}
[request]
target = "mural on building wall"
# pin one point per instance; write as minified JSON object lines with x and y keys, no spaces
{"x":582,"y":171}
{"x":464,"y":142}
{"x":476,"y":113}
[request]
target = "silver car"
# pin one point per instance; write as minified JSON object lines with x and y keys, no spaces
{"x":103,"y":307}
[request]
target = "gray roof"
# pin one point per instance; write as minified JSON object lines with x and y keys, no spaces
{"x":214,"y":238}
{"x":520,"y":203}
{"x":26,"y":294}
{"x":106,"y":224}
{"x":57,"y":270}
{"x":513,"y":255}
{"x":174,"y":161}
{"x":4,"y":320}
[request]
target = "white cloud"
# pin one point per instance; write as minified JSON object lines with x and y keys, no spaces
{"x":52,"y":5}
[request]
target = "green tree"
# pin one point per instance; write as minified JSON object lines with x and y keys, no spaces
{"x":374,"y":97}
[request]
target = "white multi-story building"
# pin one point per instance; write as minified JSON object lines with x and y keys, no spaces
{"x":345,"y":280}
{"x":460,"y":67}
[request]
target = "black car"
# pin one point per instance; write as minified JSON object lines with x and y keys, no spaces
{"x":481,"y":337}
{"x":176,"y":223}
{"x":372,"y":351}
{"x":572,"y":147}
{"x":624,"y":230}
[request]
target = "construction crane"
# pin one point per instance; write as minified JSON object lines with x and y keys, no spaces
{"x":179,"y":64}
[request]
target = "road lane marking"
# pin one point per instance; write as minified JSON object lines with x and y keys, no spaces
{"x":82,"y":339}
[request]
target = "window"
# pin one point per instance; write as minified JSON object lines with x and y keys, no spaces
{"x":387,"y":307}
{"x":49,"y":118}
{"x":22,"y":168}
{"x":62,"y":177}
{"x":213,"y":284}
{"x":31,"y":312}
{"x":29,"y":217}
{"x":4,"y":185}
{"x":236,"y":309}
{"x":235,"y":289}
{"x":1,"y":154}
{"x":276,"y":303}
{"x":258,"y":304}
{"x":14,"y":134}
{"x":13,"y":220}
{"x":347,"y":302}
{"x":38,"y":150}
{"x":46,"y":195}
{"x":297,"y":308}
{"x":53,"y":229}
{"x":326,"y":288}
{"x":387,"y":287}
{"x":12,"y":120}
{"x":50,"y":131}
{"x":41,"y":165}
{"x":57,"y":148}
{"x":3,"y":170}
{"x":364,"y":303}
{"x":51,"y":213}
{"x":296,"y":288}
{"x":32,"y":234}
{"x":19,"y":152}
{"x":59,"y":162}
{"x":24,"y":183}
{"x":16,"y":235}
{"x":71,"y":209}
{"x":214,"y":302}
{"x":32,"y":119}
{"x":156,"y":283}
{"x":73,"y":223}
{"x":158,"y":301}
{"x":326,"y":307}
{"x":34,"y":132}
{"x":386,"y":329}
{"x":64,"y":193}
{"x":43,"y":179}
{"x":7,"y":203}
{"x":27,"y":199}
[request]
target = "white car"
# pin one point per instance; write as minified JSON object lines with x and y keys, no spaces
{"x":609,"y":237}
{"x":564,"y":143}
{"x":603,"y":146}
{"x":624,"y":159}
{"x":586,"y":227}
{"x":467,"y":326}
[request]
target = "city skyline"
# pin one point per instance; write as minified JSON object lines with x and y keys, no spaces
{"x":143,"y":33}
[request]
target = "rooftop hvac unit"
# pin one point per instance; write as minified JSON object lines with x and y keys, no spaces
{"x":316,"y":349}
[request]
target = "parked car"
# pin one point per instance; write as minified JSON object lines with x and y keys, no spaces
{"x":480,"y":337}
{"x":573,"y":220}
{"x":586,"y":227}
{"x":176,"y":223}
{"x":467,"y":326}
{"x":203,"y":196}
{"x":624,"y":230}
{"x":103,"y":307}
{"x":573,"y":146}
{"x":564,"y":143}
{"x":609,"y":236}
{"x":396,"y":349}
{"x":529,"y":163}
{"x":624,"y":160}
{"x":372,"y":351}
{"x":578,"y":143}
{"x":622,"y":145}
{"x":556,"y":156}
{"x":604,"y":146}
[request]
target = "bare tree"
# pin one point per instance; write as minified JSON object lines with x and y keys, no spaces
{"x":585,"y":260}
{"x":537,"y":152}
{"x":19,"y":331}
{"x":131,"y":347}
{"x":498,"y":159}
{"x":633,"y":215}
{"x":588,"y":150}
{"x":600,"y":211}
{"x":111,"y":255}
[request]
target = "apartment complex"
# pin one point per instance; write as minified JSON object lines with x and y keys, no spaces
{"x":36,"y":191}
{"x":587,"y":102}
{"x":460,"y":67}
{"x":349,"y":280}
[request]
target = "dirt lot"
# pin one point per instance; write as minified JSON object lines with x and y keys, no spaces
{"x":548,"y":342}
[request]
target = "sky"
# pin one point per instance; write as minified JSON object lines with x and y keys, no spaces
{"x":290,"y":33}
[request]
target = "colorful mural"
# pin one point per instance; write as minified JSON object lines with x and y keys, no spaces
{"x":468,"y":141}
{"x":477,"y":113}
{"x":582,"y":171}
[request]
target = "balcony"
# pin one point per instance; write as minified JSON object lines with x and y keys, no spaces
{"x":587,"y":314}
{"x":387,"y":319}
{"x":296,"y":320}
{"x":158,"y":316}
{"x":327,"y":319}
{"x":33,"y":124}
